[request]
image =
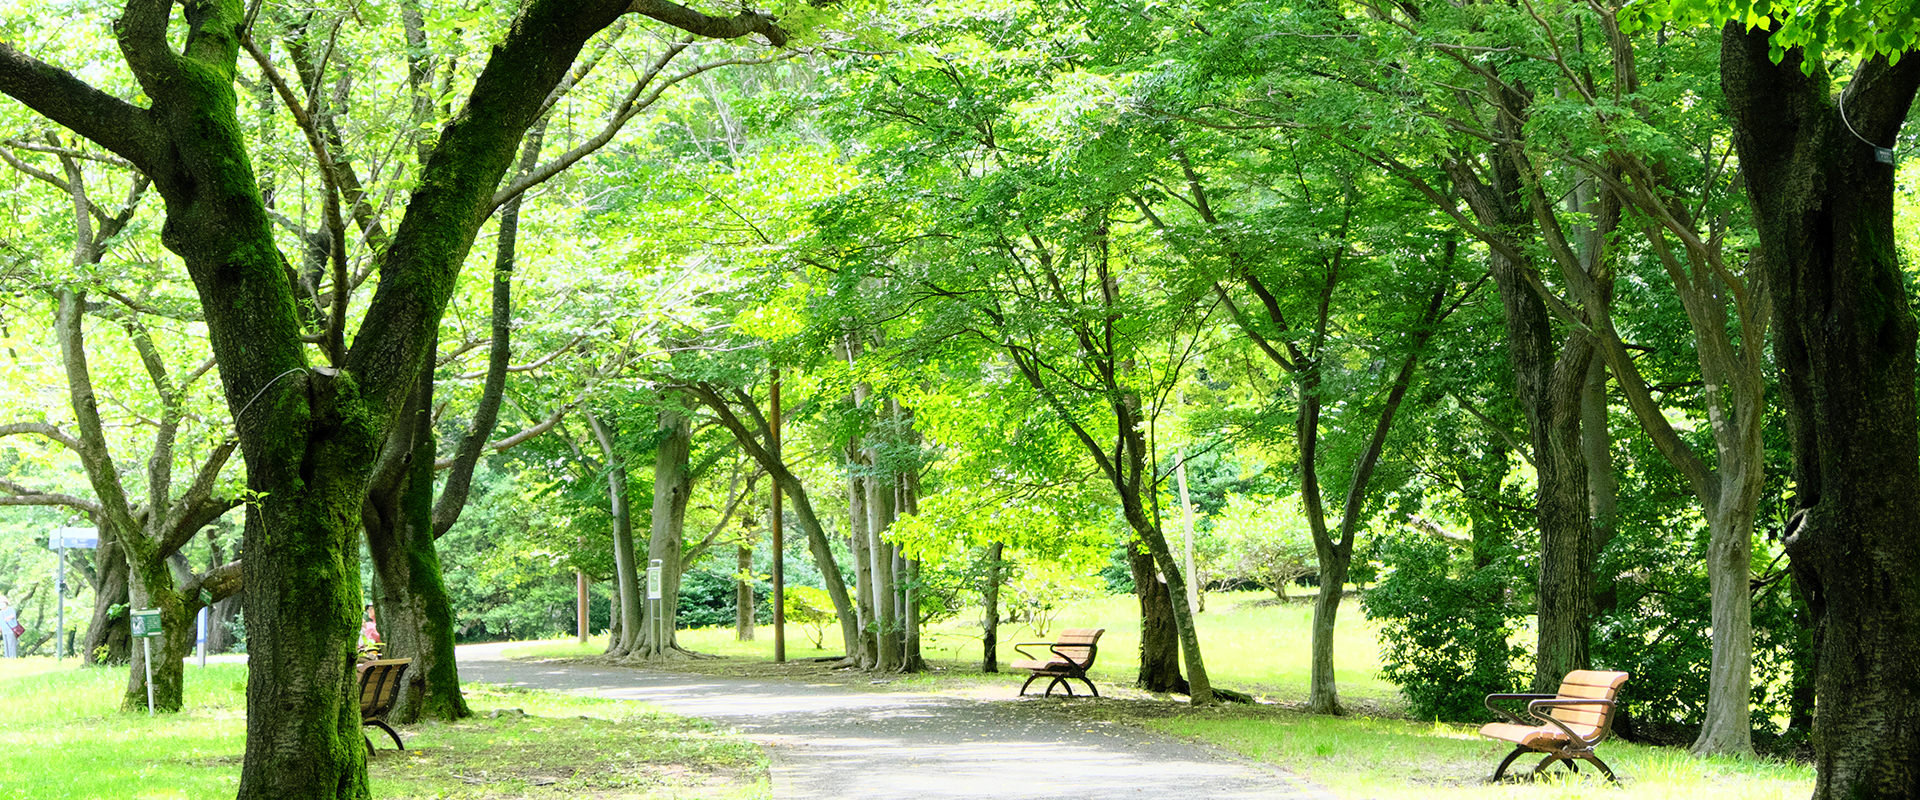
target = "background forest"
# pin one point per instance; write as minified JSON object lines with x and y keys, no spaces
{"x":1444,"y":314}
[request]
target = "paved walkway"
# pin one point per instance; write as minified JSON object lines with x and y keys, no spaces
{"x":830,"y":741}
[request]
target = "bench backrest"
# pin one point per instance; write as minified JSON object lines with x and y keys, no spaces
{"x":1079,"y":644}
{"x":1588,"y":684}
{"x":380,"y":685}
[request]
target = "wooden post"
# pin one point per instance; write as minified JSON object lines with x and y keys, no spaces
{"x":580,"y":604}
{"x":779,"y":539}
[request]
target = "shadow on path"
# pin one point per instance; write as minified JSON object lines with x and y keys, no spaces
{"x":833,"y":741}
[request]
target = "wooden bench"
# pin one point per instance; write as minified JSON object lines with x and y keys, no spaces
{"x":379,"y":687}
{"x":1072,"y":655}
{"x":1565,"y":726}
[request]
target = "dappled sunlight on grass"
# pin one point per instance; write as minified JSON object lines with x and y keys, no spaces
{"x":1250,"y":643}
{"x":66,"y":739}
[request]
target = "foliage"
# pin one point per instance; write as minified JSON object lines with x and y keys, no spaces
{"x":1446,"y":625}
{"x":1842,"y":28}
{"x":1262,"y":541}
{"x":812,"y":610}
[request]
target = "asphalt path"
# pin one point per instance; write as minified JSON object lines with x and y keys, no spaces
{"x":831,"y":741}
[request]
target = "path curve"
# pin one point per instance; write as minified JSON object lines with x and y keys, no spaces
{"x":830,"y":742}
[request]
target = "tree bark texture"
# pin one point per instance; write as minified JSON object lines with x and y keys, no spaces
{"x":1844,"y":336}
{"x":1159,"y":641}
{"x":416,"y":614}
{"x":672,"y":484}
{"x":625,"y":558}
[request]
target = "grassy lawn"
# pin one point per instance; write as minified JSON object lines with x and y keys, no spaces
{"x":1257,"y":646}
{"x":65,"y":738}
{"x":1249,"y":643}
{"x":1394,"y":759}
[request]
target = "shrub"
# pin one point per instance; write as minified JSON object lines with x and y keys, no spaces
{"x":1445,"y":625}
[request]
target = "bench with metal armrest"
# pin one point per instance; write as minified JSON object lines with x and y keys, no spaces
{"x":1565,"y":726}
{"x":1071,"y":656}
{"x":379,"y":688}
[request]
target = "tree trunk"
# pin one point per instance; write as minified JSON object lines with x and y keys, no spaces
{"x":1565,"y":594}
{"x":860,"y":544}
{"x":1159,"y":641}
{"x":990,"y":610}
{"x":416,"y":615}
{"x":1323,"y":695}
{"x":108,"y":632}
{"x":672,"y":484}
{"x":886,"y":602}
{"x":1727,"y":727}
{"x":1844,"y":336}
{"x":626,"y":568}
{"x":743,"y":600}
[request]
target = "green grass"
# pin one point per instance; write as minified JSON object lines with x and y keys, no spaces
{"x":64,"y":737}
{"x":1392,"y":759}
{"x":1249,"y":644}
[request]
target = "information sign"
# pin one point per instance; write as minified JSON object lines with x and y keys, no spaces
{"x":146,"y":623}
{"x":77,"y":538}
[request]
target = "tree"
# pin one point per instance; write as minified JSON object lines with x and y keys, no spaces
{"x":1820,"y":181}
{"x":309,"y":433}
{"x":141,"y":541}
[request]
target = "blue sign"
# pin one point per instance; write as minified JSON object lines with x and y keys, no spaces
{"x":76,"y":538}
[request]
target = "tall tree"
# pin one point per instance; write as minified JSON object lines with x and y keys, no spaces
{"x":1819,"y":176}
{"x":310,"y":433}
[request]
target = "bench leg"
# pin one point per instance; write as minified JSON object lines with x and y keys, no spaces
{"x":1096,"y":692}
{"x":1030,"y":680}
{"x":1501,"y":770}
{"x":385,"y":727}
{"x":1058,"y":681}
{"x":1599,"y":765}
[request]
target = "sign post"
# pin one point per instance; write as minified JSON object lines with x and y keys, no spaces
{"x":200,"y":641}
{"x":60,"y":540}
{"x":146,"y":625}
{"x":659,"y":643}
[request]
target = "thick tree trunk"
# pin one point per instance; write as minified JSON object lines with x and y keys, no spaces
{"x":1565,"y":595}
{"x":1159,"y":640}
{"x":1323,"y":695}
{"x":109,"y":640}
{"x":1727,"y":727}
{"x":1844,"y":336}
{"x":672,"y":484}
{"x":416,"y":615}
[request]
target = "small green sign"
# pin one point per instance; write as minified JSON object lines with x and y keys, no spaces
{"x":146,"y":623}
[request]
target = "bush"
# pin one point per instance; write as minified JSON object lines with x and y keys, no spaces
{"x":1445,"y":625}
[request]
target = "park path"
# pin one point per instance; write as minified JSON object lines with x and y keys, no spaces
{"x":833,"y":742}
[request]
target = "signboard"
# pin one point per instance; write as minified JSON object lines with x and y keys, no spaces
{"x":78,"y":538}
{"x":146,"y":623}
{"x":653,"y":580}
